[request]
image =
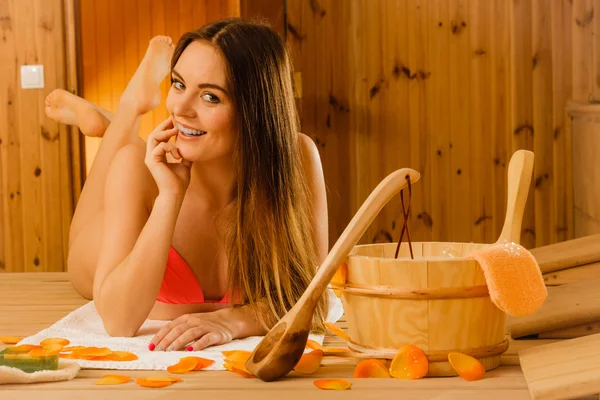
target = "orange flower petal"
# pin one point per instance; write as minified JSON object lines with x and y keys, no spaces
{"x":93,"y":352}
{"x":152,"y":384}
{"x":336,"y":351}
{"x":49,"y":341}
{"x":370,"y":369}
{"x":337,"y":331}
{"x":239,"y":369}
{"x":10,"y":339}
{"x":73,"y":348}
{"x":409,"y":363}
{"x":236,"y":356}
{"x":332,"y":384}
{"x":467,"y":367}
{"x":171,"y":379}
{"x":186,"y":364}
{"x":121,"y":356}
{"x":341,"y":277}
{"x":24,"y":348}
{"x":201,"y":363}
{"x":311,"y":344}
{"x":113,"y":380}
{"x":46,"y":351}
{"x":309,"y":362}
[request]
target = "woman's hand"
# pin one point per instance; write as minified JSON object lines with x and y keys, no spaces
{"x":172,"y":178}
{"x":195,"y":332}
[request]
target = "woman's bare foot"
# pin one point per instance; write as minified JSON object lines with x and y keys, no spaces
{"x":143,"y":91}
{"x":69,"y":109}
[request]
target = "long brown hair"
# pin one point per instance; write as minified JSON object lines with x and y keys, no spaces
{"x":270,"y":247}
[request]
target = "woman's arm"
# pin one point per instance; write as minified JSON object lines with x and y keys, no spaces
{"x":135,"y":245}
{"x":313,"y":171}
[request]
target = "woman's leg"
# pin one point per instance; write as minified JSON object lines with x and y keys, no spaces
{"x":70,"y":109}
{"x":141,"y":95}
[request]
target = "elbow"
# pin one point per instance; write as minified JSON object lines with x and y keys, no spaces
{"x":119,"y":329}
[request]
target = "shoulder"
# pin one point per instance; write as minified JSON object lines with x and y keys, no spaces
{"x":309,"y":151}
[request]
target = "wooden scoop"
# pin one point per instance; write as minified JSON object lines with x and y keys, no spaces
{"x":279,"y":351}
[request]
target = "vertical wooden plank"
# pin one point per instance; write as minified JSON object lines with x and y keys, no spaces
{"x":199,"y":14}
{"x":116,"y":50}
{"x":521,"y":100}
{"x":30,"y":133}
{"x":481,"y":163}
{"x":185,"y":17}
{"x":48,"y":25}
{"x":582,"y":25}
{"x":545,"y":219}
{"x":417,"y":75}
{"x":460,"y":142}
{"x":71,"y":148}
{"x":596,"y":61}
{"x":562,"y":92}
{"x":500,"y":93}
{"x":12,"y":201}
{"x":89,"y":65}
{"x":145,"y":33}
{"x":438,"y":116}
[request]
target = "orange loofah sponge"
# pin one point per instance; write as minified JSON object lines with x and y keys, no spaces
{"x":513,"y":277}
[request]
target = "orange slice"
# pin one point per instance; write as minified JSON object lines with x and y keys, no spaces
{"x":467,"y":367}
{"x":73,"y":348}
{"x":121,"y":356}
{"x":10,"y":339}
{"x":332,"y":384}
{"x":309,"y":362}
{"x":94,"y":352}
{"x":370,"y":369}
{"x":49,"y":341}
{"x":147,"y":383}
{"x":336,"y":351}
{"x":409,"y":363}
{"x":113,"y":380}
{"x":185,"y":365}
{"x":337,"y":331}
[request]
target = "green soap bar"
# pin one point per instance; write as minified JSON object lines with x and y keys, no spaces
{"x":26,"y":363}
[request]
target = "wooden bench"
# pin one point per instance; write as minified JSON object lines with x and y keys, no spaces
{"x":30,"y":302}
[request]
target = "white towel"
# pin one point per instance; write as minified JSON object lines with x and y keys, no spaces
{"x":83,"y":327}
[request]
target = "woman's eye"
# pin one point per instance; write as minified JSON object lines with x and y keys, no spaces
{"x":211,"y":98}
{"x":178,"y":85}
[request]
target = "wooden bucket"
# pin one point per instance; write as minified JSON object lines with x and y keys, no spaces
{"x":438,"y":301}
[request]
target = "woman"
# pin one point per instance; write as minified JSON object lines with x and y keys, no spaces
{"x":240,"y":216}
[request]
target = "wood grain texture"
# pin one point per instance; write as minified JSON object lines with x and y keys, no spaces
{"x":568,"y":254}
{"x":441,"y":86}
{"x":567,"y":305}
{"x":37,"y":162}
{"x":569,"y":369}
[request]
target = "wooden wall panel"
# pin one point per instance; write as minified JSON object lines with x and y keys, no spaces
{"x":114,"y":37}
{"x":36,"y":165}
{"x":451,"y":88}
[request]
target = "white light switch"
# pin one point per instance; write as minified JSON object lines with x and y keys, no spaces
{"x":32,"y":76}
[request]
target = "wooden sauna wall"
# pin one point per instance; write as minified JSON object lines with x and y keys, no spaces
{"x":114,"y":37}
{"x":450,"y":88}
{"x":38,"y":157}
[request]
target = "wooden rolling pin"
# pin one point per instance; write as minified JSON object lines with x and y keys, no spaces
{"x":568,"y":254}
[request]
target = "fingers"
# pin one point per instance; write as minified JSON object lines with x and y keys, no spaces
{"x":165,"y":330}
{"x":211,"y":339}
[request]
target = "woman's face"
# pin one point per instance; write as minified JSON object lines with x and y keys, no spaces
{"x":200,"y":103}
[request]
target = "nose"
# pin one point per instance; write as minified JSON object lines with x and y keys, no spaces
{"x":183,"y":105}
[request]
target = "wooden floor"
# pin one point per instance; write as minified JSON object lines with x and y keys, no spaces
{"x":30,"y":302}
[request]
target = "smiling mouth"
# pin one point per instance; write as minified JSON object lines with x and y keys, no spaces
{"x":190,"y":132}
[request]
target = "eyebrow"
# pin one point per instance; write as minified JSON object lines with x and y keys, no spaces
{"x":201,"y":85}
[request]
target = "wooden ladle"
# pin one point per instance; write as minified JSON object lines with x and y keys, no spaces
{"x":280,"y":350}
